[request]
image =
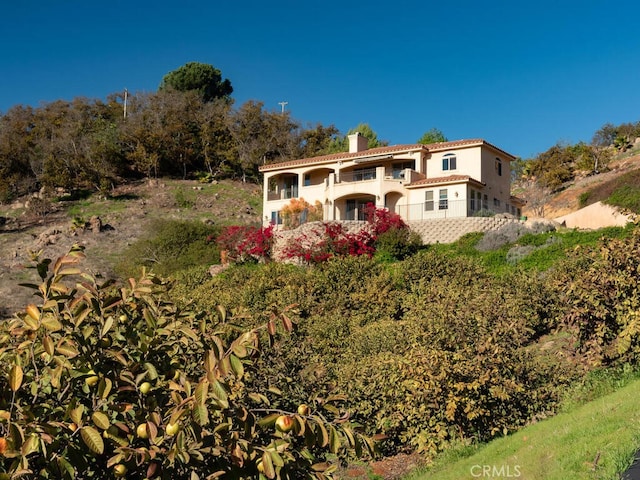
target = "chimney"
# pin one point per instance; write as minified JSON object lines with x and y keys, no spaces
{"x":358,"y":143}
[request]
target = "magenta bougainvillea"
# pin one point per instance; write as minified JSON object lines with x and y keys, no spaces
{"x":383,"y":220}
{"x":312,"y":245}
{"x":243,"y":243}
{"x":328,"y":240}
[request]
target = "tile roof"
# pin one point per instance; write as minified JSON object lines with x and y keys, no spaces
{"x":334,"y":157}
{"x":442,"y":180}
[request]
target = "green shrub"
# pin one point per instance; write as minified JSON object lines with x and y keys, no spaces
{"x":170,"y":246}
{"x":601,"y":291}
{"x":397,"y":244}
{"x":104,"y":380}
{"x":626,"y":197}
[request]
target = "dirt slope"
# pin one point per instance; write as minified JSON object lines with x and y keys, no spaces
{"x":567,"y":201}
{"x":123,"y":221}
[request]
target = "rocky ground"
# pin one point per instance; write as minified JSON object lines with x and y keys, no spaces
{"x":116,"y":224}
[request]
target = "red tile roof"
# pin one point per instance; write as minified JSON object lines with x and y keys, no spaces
{"x":431,"y":147}
{"x":443,"y":180}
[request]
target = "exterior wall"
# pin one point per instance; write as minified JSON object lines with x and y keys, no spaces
{"x":454,"y":206}
{"x":497,"y":186}
{"x":467,"y":159}
{"x":339,"y":184}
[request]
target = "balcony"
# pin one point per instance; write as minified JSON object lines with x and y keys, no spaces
{"x":448,"y":208}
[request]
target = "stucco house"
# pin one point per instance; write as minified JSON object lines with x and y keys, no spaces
{"x":461,"y":178}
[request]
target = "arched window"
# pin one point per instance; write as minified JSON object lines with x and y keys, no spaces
{"x":449,"y":162}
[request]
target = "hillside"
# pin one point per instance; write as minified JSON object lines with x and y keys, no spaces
{"x":131,"y":208}
{"x":568,"y":200}
{"x":124,"y":218}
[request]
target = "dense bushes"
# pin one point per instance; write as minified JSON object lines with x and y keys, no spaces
{"x":105,"y":380}
{"x":170,"y":246}
{"x":601,"y":291}
{"x":428,"y":350}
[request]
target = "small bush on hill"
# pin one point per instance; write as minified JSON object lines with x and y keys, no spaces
{"x":170,"y":246}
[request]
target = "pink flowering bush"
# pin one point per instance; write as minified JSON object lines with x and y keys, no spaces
{"x":247,"y":243}
{"x":329,"y":240}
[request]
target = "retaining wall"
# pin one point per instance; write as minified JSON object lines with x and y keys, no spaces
{"x":448,"y":230}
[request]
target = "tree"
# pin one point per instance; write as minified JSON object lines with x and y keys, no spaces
{"x":605,"y":136}
{"x":317,"y":140}
{"x":432,"y":136}
{"x":201,"y":77}
{"x":341,"y":144}
{"x":261,"y":137}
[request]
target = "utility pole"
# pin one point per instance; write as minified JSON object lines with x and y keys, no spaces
{"x":126,"y":93}
{"x":283,"y":104}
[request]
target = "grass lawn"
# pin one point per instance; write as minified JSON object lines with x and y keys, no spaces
{"x":594,"y":441}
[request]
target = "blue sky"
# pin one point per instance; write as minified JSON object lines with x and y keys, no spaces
{"x":523,"y":75}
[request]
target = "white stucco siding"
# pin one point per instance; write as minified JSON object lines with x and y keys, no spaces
{"x":467,"y":163}
{"x":497,"y":176}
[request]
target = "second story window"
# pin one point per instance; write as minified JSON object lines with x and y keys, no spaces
{"x":307,"y":179}
{"x":499,"y":167}
{"x":449,"y":162}
{"x":399,"y":168}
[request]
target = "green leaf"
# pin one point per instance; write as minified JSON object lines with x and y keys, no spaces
{"x":334,"y":440}
{"x":108,"y":323}
{"x":152,"y":373}
{"x":66,"y":467}
{"x":104,"y":388}
{"x":269,"y":420}
{"x":201,"y":415}
{"x":67,"y":349}
{"x":218,"y":391}
{"x":269,"y":471}
{"x":15,"y":377}
{"x":92,"y":439}
{"x":30,"y":445}
{"x":51,"y":323}
{"x":100,"y":420}
{"x":76,"y":414}
{"x":202,"y":391}
{"x":236,"y":366}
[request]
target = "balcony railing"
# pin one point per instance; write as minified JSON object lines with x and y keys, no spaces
{"x":358,"y":175}
{"x":448,"y":208}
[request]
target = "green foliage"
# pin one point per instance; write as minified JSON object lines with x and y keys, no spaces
{"x":432,"y":136}
{"x":626,"y":197}
{"x":397,"y":244}
{"x":626,"y":184}
{"x":554,"y":167}
{"x":603,"y":300}
{"x":103,"y":379}
{"x":341,"y":143}
{"x":183,"y":200}
{"x":170,"y":246}
{"x":200,"y":77}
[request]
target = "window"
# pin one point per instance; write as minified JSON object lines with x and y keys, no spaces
{"x":307,"y":179}
{"x":399,"y":168}
{"x":499,"y":167}
{"x":361,"y":174}
{"x":290,"y":186}
{"x":449,"y":162}
{"x":444,"y":201}
{"x":496,"y":202}
{"x":276,"y":219}
{"x":485,"y":202}
{"x":472,"y":201}
{"x":428,"y":201}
